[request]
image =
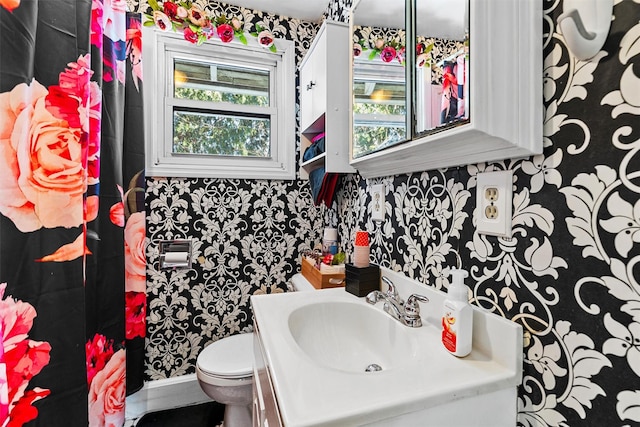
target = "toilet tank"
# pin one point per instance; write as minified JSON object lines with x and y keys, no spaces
{"x":299,"y":283}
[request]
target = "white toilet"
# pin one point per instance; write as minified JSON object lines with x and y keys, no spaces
{"x":225,"y":370}
{"x":225,"y":373}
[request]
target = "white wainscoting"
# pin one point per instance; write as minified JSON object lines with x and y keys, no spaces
{"x":164,"y":394}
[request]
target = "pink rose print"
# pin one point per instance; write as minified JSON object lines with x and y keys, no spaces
{"x":98,"y":351}
{"x":24,"y":358}
{"x":107,"y":393}
{"x":46,"y":137}
{"x":134,"y":254}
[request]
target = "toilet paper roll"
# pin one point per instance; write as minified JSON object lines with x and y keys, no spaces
{"x":176,"y":257}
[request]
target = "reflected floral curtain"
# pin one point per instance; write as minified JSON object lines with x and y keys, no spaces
{"x":69,"y":194}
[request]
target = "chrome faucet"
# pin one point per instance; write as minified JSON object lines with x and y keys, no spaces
{"x":391,"y":306}
{"x":408,"y":313}
{"x":392,"y":292}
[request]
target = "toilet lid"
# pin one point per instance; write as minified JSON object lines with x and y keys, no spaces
{"x":230,"y":357}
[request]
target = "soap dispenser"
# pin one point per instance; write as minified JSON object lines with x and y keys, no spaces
{"x":457,"y":316}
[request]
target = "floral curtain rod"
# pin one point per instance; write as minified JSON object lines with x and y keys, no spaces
{"x":197,"y":27}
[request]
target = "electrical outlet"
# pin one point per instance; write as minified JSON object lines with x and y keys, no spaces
{"x":377,"y":202}
{"x":494,"y":203}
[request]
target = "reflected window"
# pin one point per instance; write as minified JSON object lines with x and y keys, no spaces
{"x":379,"y":108}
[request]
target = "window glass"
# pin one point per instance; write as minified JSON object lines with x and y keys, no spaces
{"x":379,"y":114}
{"x":220,"y":134}
{"x":220,"y":83}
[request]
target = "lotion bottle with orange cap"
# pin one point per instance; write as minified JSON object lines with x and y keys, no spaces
{"x":457,"y":316}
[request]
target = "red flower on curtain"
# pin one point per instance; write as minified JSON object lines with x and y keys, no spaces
{"x":106,"y":376}
{"x":10,"y":5}
{"x":44,"y":136}
{"x":99,"y":350}
{"x":135,"y":312}
{"x":135,"y":275}
{"x":24,"y":359}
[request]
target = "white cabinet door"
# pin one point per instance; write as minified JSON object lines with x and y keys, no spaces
{"x":313,"y":82}
{"x":324,"y":99}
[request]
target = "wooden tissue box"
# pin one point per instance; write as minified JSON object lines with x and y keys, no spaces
{"x":319,"y":280}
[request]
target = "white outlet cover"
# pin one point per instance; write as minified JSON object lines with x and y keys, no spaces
{"x":503,"y":181}
{"x":377,"y":202}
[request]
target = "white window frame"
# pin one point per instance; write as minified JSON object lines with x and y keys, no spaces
{"x":159,"y":49}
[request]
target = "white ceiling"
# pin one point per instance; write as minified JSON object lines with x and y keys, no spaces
{"x":308,"y":10}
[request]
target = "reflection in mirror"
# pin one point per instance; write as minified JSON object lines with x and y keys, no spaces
{"x":442,"y":64}
{"x":382,"y":101}
{"x":379,"y":76}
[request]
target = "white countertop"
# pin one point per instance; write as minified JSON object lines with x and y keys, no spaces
{"x":313,"y":395}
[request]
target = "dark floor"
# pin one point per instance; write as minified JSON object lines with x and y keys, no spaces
{"x":208,"y":414}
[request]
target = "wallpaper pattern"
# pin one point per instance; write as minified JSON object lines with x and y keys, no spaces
{"x":568,"y":275}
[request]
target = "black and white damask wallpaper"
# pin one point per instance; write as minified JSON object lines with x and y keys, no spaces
{"x":247,"y":235}
{"x":569,"y":275}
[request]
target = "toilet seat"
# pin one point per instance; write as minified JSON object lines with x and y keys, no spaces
{"x":228,"y":358}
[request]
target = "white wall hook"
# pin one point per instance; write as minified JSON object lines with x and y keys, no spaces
{"x":585,"y":25}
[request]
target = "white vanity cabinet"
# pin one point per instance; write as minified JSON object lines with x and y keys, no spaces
{"x":324,"y":99}
{"x":265,"y":407}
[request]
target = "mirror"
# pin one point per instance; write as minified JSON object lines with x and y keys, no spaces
{"x":468,"y":90}
{"x":442,"y":63}
{"x":380,"y":76}
{"x":380,"y":96}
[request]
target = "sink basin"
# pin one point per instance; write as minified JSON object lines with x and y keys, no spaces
{"x":351,"y":337}
{"x":316,"y":346}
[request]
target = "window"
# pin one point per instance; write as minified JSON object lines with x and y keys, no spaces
{"x":218,"y":110}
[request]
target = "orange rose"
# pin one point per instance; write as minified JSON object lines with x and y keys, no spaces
{"x":41,"y":175}
{"x":107,"y":393}
{"x":134,"y":254}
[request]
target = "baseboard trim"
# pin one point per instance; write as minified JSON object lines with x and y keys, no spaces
{"x":164,"y":394}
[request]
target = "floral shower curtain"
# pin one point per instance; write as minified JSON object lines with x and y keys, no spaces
{"x":71,"y":212}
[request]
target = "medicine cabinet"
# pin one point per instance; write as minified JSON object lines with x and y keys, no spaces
{"x":498,"y":54}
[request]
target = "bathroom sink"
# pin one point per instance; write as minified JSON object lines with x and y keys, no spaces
{"x":317,"y":345}
{"x":351,"y":337}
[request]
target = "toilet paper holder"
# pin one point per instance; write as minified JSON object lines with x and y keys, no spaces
{"x":175,"y":254}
